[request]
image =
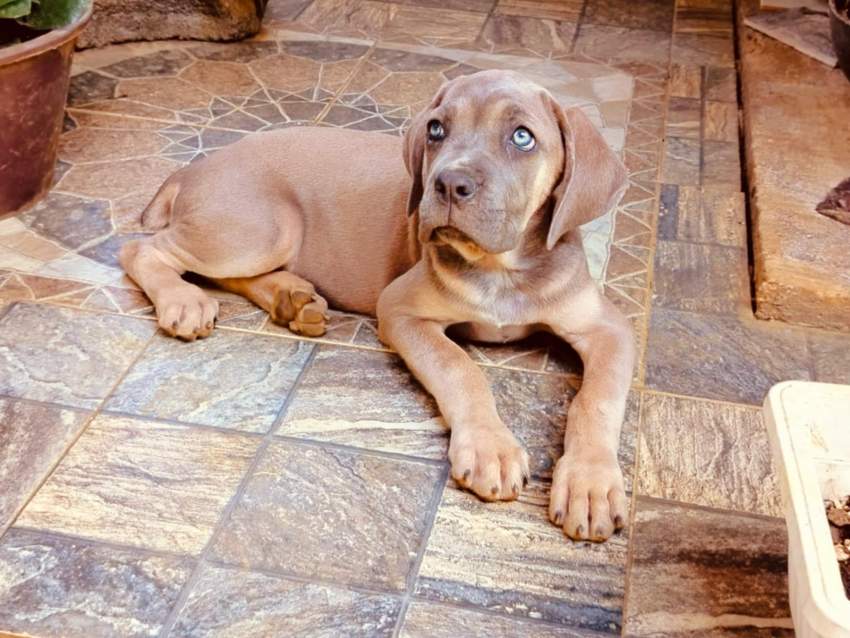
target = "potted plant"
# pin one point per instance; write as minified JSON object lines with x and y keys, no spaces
{"x":810,"y":441}
{"x":36,"y":43}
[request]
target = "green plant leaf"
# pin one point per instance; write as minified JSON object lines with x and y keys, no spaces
{"x":14,"y":8}
{"x":51,"y":14}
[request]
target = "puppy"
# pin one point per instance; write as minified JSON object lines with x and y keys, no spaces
{"x":480,"y":233}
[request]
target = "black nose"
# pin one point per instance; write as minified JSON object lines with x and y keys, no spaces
{"x":456,"y":184}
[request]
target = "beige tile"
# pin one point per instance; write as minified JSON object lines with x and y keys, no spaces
{"x":32,"y":439}
{"x":430,"y":620}
{"x":707,"y":453}
{"x":567,"y":10}
{"x":721,"y":121}
{"x":231,"y":380}
{"x":685,"y":80}
{"x":508,"y":557}
{"x":313,"y":512}
{"x":233,"y":602}
{"x":66,"y":356}
{"x":142,"y":483}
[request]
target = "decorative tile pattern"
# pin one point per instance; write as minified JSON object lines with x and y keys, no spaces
{"x":32,"y":438}
{"x":712,"y":214}
{"x":231,"y":602}
{"x":229,"y":380}
{"x":366,"y":515}
{"x":509,"y":558}
{"x":142,"y":483}
{"x":66,"y":356}
{"x":51,"y":586}
{"x":712,"y":454}
{"x":721,"y":357}
{"x":698,"y":571}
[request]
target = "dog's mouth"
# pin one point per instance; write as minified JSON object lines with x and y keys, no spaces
{"x":460,"y":241}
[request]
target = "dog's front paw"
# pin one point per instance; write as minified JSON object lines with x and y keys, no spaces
{"x":186,"y":312}
{"x":488,"y":461}
{"x":588,"y":499}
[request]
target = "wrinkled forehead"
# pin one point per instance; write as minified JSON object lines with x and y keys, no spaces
{"x":483,"y":99}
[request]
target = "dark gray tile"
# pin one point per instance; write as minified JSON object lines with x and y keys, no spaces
{"x":229,"y":380}
{"x":65,"y":355}
{"x":720,"y":84}
{"x":721,"y":164}
{"x":90,"y":86}
{"x":349,"y":517}
{"x":647,"y":14}
{"x":161,"y":63}
{"x":68,"y":220}
{"x":707,"y":573}
{"x":231,"y":602}
{"x":32,"y":439}
{"x":701,"y":278}
{"x":681,"y":161}
{"x":60,"y":587}
{"x":721,"y":357}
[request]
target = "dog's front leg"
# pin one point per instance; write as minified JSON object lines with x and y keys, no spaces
{"x":588,"y":499}
{"x":485,"y":456}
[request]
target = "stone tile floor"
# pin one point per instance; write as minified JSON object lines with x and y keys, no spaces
{"x":259,"y":484}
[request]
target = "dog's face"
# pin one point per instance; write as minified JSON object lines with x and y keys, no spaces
{"x":493,"y":149}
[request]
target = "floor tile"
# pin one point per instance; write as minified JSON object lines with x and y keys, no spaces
{"x":721,"y":163}
{"x":66,"y":356}
{"x":508,"y":557}
{"x":681,"y":161}
{"x":482,"y":6}
{"x":366,"y":515}
{"x":51,"y":586}
{"x":831,"y":354}
{"x":230,"y":602}
{"x":720,"y":84}
{"x":683,"y":117}
{"x":721,"y":121}
{"x":509,"y":33}
{"x":708,"y":573}
{"x":229,"y":380}
{"x":701,"y":278}
{"x":653,"y":14}
{"x":569,"y":10}
{"x":618,"y":43}
{"x":685,"y":80}
{"x":713,"y":50}
{"x":715,"y":214}
{"x":712,"y":454}
{"x":721,"y":357}
{"x":32,"y":439}
{"x":429,"y":620}
{"x":142,"y":483}
{"x":365,"y":399}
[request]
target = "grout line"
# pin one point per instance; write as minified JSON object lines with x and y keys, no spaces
{"x":122,"y":547}
{"x":83,"y":429}
{"x":663,"y":393}
{"x":579,"y":24}
{"x":707,"y":508}
{"x":384,"y":454}
{"x":341,"y":90}
{"x":189,"y":585}
{"x":413,"y":575}
{"x":632,"y":510}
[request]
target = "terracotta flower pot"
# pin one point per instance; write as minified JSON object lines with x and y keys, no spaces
{"x":33,"y":87}
{"x":839,"y":24}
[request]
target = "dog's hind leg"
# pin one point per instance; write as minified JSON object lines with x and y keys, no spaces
{"x":183,"y":309}
{"x":290,"y":300}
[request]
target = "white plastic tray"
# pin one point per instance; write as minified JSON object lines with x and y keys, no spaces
{"x":809,"y":429}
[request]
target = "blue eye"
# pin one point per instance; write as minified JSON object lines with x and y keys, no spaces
{"x":523,"y":139}
{"x":436,"y":132}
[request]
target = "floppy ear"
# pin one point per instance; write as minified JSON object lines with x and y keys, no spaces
{"x":593,"y":181}
{"x":414,"y":148}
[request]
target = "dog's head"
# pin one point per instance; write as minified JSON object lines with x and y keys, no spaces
{"x":492,"y":150}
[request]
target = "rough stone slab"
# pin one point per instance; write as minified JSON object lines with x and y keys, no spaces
{"x":797,"y":149}
{"x":132,"y":20}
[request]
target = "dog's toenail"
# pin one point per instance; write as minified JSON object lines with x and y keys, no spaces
{"x":494,"y":490}
{"x":598,"y":533}
{"x":174,"y":325}
{"x":559,"y":517}
{"x":466,"y":474}
{"x":209,"y":325}
{"x":524,"y":482}
{"x":618,"y":522}
{"x":515,"y":489}
{"x":580,"y":531}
